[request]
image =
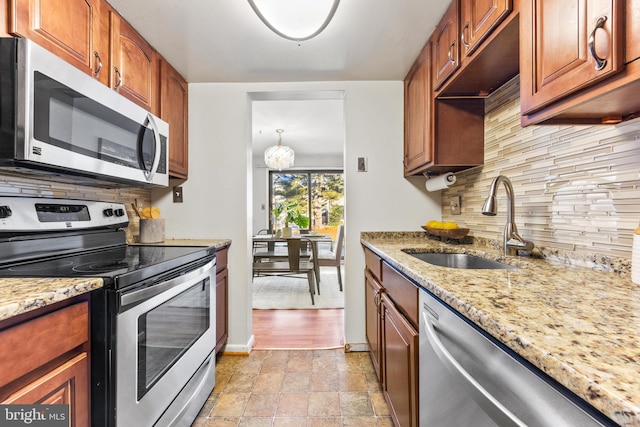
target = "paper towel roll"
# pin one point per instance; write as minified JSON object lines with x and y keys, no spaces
{"x":441,"y":182}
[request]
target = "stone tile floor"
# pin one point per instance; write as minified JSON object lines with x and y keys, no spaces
{"x":278,"y":388}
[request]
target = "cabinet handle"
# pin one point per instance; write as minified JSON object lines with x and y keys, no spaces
{"x":464,"y":42}
{"x":97,"y":72}
{"x":591,"y":44}
{"x":449,"y":54}
{"x":119,"y":76}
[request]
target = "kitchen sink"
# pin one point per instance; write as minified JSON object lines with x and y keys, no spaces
{"x":464,"y":261}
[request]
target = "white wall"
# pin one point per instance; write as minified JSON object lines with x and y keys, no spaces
{"x":217,"y":196}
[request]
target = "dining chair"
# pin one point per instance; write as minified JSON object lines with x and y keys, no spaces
{"x":293,"y":265}
{"x":332,"y":257}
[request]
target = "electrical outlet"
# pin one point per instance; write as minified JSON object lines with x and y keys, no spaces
{"x":362,"y":164}
{"x":177,"y":194}
{"x":455,"y":205}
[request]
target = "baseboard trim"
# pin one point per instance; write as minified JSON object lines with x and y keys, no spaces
{"x":239,"y":349}
{"x":356,"y":347}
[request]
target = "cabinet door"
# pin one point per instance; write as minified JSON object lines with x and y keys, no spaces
{"x":67,"y":384}
{"x":134,"y":65}
{"x":418,"y":149}
{"x":632,"y":30}
{"x":400,"y":361}
{"x":71,"y":29}
{"x":4,"y":18}
{"x":174,"y":100}
{"x":567,"y":45}
{"x":446,"y":49}
{"x":222,"y":304}
{"x":373,"y":293}
{"x":478,"y":18}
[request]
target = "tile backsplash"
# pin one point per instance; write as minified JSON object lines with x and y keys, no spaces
{"x":20,"y":185}
{"x":577,"y":188}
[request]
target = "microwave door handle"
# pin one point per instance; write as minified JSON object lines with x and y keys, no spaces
{"x":156,"y":158}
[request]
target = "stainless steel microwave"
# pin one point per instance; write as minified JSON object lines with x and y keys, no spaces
{"x":59,"y":122}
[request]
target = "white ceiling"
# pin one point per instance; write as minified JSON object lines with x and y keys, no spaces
{"x":224,"y":41}
{"x":311,"y":127}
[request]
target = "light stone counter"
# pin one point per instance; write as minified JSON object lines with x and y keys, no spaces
{"x":579,"y":325}
{"x":20,"y":295}
{"x":217,"y":243}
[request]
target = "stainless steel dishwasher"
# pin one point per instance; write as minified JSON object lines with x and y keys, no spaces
{"x":468,"y":380}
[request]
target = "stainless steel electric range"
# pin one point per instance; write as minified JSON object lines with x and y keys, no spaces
{"x":153,"y":322}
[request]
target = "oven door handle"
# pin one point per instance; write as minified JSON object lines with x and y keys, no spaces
{"x":140,"y":295}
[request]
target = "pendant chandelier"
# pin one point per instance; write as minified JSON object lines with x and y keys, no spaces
{"x":279,"y":157}
{"x":286,"y":17}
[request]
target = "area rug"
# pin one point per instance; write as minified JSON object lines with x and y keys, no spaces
{"x":279,"y":292}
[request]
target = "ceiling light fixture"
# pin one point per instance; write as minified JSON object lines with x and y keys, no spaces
{"x":295,"y":16}
{"x":279,"y":157}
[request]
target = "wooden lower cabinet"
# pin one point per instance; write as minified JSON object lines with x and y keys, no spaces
{"x":391,"y":313}
{"x":373,"y":295}
{"x":60,"y":386}
{"x":400,"y":344}
{"x":222,"y":300}
{"x":44,"y":359}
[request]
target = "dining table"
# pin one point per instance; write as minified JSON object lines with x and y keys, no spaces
{"x":313,"y":238}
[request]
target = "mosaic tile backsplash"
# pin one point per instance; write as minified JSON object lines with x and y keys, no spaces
{"x":577,"y":188}
{"x":20,"y":185}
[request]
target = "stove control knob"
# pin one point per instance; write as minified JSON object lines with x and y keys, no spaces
{"x":119,"y":212}
{"x":108,"y":212}
{"x":5,"y":211}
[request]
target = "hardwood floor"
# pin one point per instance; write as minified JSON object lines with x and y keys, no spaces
{"x":298,"y":329}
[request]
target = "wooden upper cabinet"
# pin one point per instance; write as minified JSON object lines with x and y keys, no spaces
{"x":632,"y":29}
{"x":134,"y":65}
{"x":445,"y":46}
{"x":174,"y":100}
{"x":566,"y":46}
{"x":418,"y":112}
{"x":71,"y":29}
{"x":478,"y":18}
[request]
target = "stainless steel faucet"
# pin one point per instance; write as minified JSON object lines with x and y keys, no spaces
{"x":513,"y":242}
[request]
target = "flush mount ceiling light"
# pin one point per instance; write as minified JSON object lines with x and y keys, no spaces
{"x":279,"y":157}
{"x":296,"y":20}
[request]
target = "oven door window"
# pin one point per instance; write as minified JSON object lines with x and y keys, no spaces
{"x":167,"y":331}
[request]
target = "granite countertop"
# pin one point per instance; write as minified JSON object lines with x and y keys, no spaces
{"x":579,"y":325}
{"x":217,"y":243}
{"x":20,"y":295}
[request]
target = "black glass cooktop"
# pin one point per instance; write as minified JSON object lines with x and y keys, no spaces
{"x":119,"y":266}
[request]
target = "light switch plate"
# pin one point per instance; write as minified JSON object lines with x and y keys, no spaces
{"x":362,"y":164}
{"x":177,"y":194}
{"x":455,"y":205}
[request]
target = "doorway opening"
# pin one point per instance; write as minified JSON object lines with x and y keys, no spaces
{"x":314,"y":127}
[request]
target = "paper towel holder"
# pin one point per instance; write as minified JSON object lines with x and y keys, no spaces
{"x":451,"y":177}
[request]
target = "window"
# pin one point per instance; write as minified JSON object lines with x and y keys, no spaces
{"x":317,"y":195}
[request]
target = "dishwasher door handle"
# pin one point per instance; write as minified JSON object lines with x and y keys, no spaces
{"x":492,"y":407}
